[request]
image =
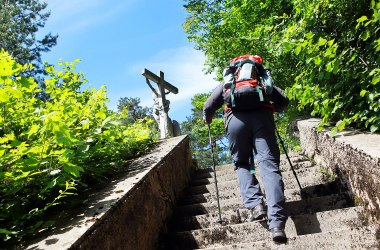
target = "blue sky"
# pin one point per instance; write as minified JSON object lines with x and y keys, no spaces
{"x":115,"y":40}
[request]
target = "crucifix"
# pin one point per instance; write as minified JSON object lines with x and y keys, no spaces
{"x":161,"y":104}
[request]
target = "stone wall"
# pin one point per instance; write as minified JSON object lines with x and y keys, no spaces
{"x":355,"y":155}
{"x":130,"y":211}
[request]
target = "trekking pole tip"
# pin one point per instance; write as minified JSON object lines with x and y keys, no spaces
{"x":221,"y":222}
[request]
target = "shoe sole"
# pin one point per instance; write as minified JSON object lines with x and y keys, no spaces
{"x":280,"y":238}
{"x":260,"y":216}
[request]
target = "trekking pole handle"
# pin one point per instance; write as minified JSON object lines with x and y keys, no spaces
{"x":211,"y":146}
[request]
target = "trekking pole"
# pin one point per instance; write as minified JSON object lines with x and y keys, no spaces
{"x":303,"y":194}
{"x":216,"y":182}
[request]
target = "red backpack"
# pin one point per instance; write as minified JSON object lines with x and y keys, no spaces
{"x":246,"y":83}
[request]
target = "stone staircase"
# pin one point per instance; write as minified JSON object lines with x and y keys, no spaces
{"x":326,"y":218}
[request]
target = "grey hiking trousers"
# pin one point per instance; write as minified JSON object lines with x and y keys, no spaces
{"x":254,"y":132}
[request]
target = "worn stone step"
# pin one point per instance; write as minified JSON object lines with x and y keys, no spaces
{"x":223,"y":170}
{"x":290,"y":194}
{"x":239,"y":213}
{"x":298,"y":161}
{"x":227,"y":175}
{"x":351,"y":238}
{"x":250,"y":232}
{"x":233,"y":210}
{"x":307,"y":178}
{"x":229,"y":207}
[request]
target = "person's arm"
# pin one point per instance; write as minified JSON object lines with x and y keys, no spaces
{"x":213,"y":103}
{"x":279,"y":100}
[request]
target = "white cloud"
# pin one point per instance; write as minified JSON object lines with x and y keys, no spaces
{"x":183,"y":68}
{"x":75,"y":15}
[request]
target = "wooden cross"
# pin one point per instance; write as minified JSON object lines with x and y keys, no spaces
{"x":161,"y":83}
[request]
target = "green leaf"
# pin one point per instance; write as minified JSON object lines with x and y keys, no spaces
{"x":288,"y":46}
{"x":4,"y":97}
{"x":329,"y":67}
{"x":52,"y":183}
{"x":15,"y":143}
{"x":331,"y":42}
{"x":362,"y":19}
{"x":317,"y":60}
{"x":33,"y":129}
{"x":375,"y":80}
{"x":72,"y":169}
{"x":322,"y":41}
{"x":374,"y":128}
{"x":352,"y":58}
{"x":5,"y":231}
{"x":27,"y":84}
{"x":333,"y":132}
{"x":298,"y":50}
{"x":363,"y":92}
{"x":340,"y":125}
{"x":366,"y":35}
{"x":105,"y":121}
{"x":31,"y":161}
{"x":16,"y":93}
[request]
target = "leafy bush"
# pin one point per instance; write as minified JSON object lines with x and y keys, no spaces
{"x":49,"y":149}
{"x":324,"y":52}
{"x":337,"y":45}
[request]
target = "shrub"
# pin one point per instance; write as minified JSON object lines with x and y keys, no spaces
{"x":50,"y":148}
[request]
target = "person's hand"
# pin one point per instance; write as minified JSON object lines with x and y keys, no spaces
{"x":205,"y":120}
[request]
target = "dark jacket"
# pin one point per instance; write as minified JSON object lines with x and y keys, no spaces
{"x":277,"y":101}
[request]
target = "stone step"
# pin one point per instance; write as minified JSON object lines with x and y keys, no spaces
{"x":250,"y":232}
{"x":326,"y":218}
{"x":204,"y":211}
{"x":239,"y":214}
{"x":307,"y":178}
{"x":229,"y":168}
{"x":290,"y":194}
{"x":203,"y":216}
{"x":226,"y":175}
{"x":351,"y":238}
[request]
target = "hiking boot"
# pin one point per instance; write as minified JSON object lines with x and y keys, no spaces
{"x":258,"y":213}
{"x":278,"y":235}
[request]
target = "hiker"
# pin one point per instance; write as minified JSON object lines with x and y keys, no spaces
{"x":251,"y":130}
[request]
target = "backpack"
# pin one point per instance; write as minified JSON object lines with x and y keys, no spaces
{"x":246,"y":83}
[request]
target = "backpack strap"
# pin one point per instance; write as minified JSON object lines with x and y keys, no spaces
{"x":232,"y":89}
{"x":260,"y":92}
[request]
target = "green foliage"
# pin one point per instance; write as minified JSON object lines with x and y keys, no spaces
{"x":285,"y":125}
{"x":50,"y":149}
{"x":134,"y":110}
{"x":20,"y":21}
{"x":199,"y":137}
{"x":324,"y":52}
{"x":336,"y":44}
{"x":228,"y":28}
